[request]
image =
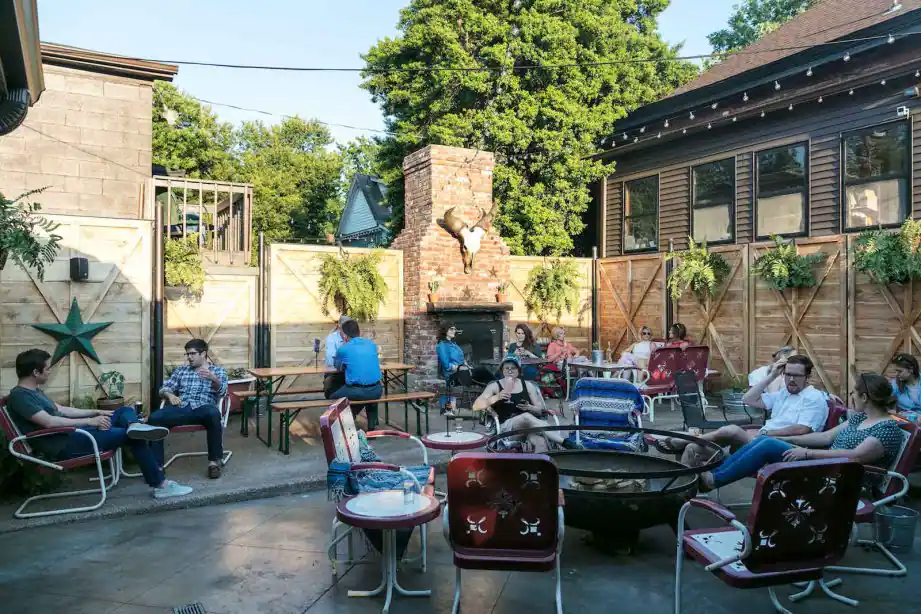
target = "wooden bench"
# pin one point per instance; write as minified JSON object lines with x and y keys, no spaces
{"x":289,"y":410}
{"x":248,"y":396}
{"x":245,"y":394}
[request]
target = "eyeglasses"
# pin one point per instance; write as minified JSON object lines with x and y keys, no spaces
{"x":646,"y":333}
{"x":192,"y":353}
{"x":795,"y":375}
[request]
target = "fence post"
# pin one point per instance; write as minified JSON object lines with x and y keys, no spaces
{"x":262,"y":333}
{"x":669,"y":304}
{"x":595,"y":337}
{"x":156,"y":311}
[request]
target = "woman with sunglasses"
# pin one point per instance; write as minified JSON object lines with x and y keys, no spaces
{"x":905,"y":384}
{"x":637,"y":355}
{"x":870,"y":436}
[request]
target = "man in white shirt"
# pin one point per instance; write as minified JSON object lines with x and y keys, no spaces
{"x":334,"y":341}
{"x":796,"y":409}
{"x":762,"y":373}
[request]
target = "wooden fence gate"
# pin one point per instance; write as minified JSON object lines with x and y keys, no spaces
{"x":631,"y":295}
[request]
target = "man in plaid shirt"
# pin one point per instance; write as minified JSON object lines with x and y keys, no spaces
{"x":192,"y":395}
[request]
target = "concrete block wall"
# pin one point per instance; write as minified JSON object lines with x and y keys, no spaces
{"x":88,"y":139}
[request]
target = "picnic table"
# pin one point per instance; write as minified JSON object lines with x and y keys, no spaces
{"x":269,"y":381}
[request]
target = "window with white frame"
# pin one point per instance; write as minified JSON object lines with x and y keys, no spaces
{"x":876,"y":176}
{"x":782,"y":189}
{"x":641,"y":214}
{"x":714,"y":190}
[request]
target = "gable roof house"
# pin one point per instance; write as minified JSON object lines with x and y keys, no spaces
{"x":811,"y":131}
{"x":364,"y":218}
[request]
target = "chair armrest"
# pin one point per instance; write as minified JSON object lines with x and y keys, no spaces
{"x":717,"y":509}
{"x":721,"y":512}
{"x":386,"y":466}
{"x":42,"y":433}
{"x":401,"y":435}
{"x":445,"y":527}
{"x":892,"y":475}
{"x":495,"y":418}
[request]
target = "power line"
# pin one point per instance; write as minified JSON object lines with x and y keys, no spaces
{"x":260,"y":111}
{"x":527,"y":67}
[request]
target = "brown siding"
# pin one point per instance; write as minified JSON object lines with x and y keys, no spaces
{"x":674,"y":204}
{"x":824,"y":179}
{"x":744,"y":187}
{"x":916,"y":167}
{"x":614,"y":210}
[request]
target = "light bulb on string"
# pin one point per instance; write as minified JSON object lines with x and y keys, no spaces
{"x":891,"y":39}
{"x":850,"y":93}
{"x":821,"y":100}
{"x":659,"y":136}
{"x":734,"y":119}
{"x":809,"y":72}
{"x":917,"y":74}
{"x":691,"y":115}
{"x":714,"y":105}
{"x":883,"y":82}
{"x":847,"y":56}
{"x":763,"y":114}
{"x":643,"y":129}
{"x":709,"y":125}
{"x":625,"y":136}
{"x":666,"y":123}
{"x":635,"y":139}
{"x":684,"y":131}
{"x":776,"y":85}
{"x":745,"y":97}
{"x":790,"y":108}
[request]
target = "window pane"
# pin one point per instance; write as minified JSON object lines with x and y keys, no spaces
{"x":878,"y":153}
{"x":779,"y":215}
{"x":712,"y":224}
{"x":879,"y":202}
{"x":640,"y":232}
{"x":714,"y":183}
{"x":642,"y":197}
{"x":782,"y":170}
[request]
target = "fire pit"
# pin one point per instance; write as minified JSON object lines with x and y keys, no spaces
{"x":616,"y":494}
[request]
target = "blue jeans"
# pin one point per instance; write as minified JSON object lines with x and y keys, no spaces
{"x":208,"y":416}
{"x":749,"y":459}
{"x":360,"y":393}
{"x":114,"y":438}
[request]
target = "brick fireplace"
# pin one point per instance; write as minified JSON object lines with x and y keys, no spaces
{"x":438,"y":178}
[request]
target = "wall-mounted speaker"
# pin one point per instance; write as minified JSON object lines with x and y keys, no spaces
{"x":79,"y":269}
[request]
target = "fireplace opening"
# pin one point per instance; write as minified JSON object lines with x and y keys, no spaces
{"x":480,"y":340}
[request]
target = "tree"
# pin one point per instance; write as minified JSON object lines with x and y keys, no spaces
{"x":542,"y":124}
{"x":753,"y":19}
{"x":359,"y":156}
{"x":187,"y":136}
{"x":295,"y":178}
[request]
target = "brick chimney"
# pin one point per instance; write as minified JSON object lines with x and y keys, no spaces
{"x":438,"y":178}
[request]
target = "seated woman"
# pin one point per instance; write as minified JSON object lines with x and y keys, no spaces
{"x":638,"y":354}
{"x":451,"y":361}
{"x":558,"y":350}
{"x":870,"y":436}
{"x":677,"y":336}
{"x":518,"y":405}
{"x":524,"y":347}
{"x":905,"y":384}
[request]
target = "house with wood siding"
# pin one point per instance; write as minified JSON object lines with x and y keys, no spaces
{"x":813,"y":134}
{"x":811,"y":131}
{"x":364,"y":218}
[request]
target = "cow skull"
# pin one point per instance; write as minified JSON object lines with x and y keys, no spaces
{"x":470,"y":238}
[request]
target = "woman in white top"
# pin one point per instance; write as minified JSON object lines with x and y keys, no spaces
{"x":637,"y":355}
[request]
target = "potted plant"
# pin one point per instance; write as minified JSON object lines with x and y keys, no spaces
{"x":783,"y":267}
{"x":501,"y":289}
{"x":597,"y":354}
{"x":352,"y":284}
{"x":552,"y":288}
{"x":434,"y":285}
{"x":732,"y":396}
{"x":183,"y":268}
{"x":238,"y":380}
{"x":890,"y":257}
{"x":21,"y":233}
{"x":112,"y":384}
{"x":698,"y":270}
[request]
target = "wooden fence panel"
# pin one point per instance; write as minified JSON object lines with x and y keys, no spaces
{"x":295,"y":308}
{"x":721,"y":321}
{"x":225,"y":317}
{"x":631,"y":293}
{"x":578,"y":324}
{"x":118,"y":290}
{"x":813,"y":320}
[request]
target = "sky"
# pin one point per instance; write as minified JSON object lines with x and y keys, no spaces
{"x":282,"y":32}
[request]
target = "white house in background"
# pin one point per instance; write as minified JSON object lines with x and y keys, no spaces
{"x":364,"y":219}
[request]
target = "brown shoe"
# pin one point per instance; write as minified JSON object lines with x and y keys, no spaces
{"x":214,"y":471}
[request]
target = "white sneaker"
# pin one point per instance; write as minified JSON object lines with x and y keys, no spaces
{"x":147,"y":432}
{"x":171,"y":489}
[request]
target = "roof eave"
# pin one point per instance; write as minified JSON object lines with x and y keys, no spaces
{"x":95,"y":61}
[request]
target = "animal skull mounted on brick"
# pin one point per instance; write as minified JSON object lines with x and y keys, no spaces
{"x":469,"y":237}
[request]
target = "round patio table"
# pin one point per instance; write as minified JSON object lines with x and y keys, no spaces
{"x":456,"y":441}
{"x":387,"y":511}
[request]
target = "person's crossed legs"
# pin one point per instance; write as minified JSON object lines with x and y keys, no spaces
{"x":538,"y":441}
{"x":207,"y":416}
{"x":730,"y":435}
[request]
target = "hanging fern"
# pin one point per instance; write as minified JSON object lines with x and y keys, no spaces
{"x":783,"y":267}
{"x":26,"y":235}
{"x":182,"y":264}
{"x":552,"y":288}
{"x":890,"y":258}
{"x":353,"y":284}
{"x":699,"y":270}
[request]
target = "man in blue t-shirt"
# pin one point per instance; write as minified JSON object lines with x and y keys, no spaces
{"x":357,"y":358}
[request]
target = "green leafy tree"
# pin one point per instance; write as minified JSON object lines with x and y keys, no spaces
{"x":542,"y":124}
{"x":752,"y":19}
{"x":295,"y":178}
{"x":187,"y":136}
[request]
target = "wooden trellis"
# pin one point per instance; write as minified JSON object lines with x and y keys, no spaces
{"x":632,"y":293}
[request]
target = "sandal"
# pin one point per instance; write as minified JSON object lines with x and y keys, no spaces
{"x":665,"y":446}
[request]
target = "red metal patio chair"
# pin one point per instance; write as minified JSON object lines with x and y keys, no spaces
{"x":662,"y":366}
{"x":504,"y":513}
{"x":224,"y":405}
{"x":894,"y":486}
{"x":340,"y":443}
{"x":20,"y":448}
{"x":799,"y":524}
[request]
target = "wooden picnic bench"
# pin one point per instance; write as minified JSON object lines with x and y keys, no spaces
{"x":288,"y":410}
{"x":249,"y":397}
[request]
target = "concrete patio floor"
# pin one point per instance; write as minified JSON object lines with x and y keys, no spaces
{"x":266,"y":557}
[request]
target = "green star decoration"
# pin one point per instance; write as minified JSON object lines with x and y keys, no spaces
{"x":74,"y":335}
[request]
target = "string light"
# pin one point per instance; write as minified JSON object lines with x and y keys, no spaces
{"x":847,"y":56}
{"x":659,"y":136}
{"x":684,"y":131}
{"x":745,"y":97}
{"x":891,"y":39}
{"x":883,"y":82}
{"x":850,"y":93}
{"x":776,"y":85}
{"x":790,"y":108}
{"x":635,"y":139}
{"x":643,"y":129}
{"x":625,"y":136}
{"x":820,"y":100}
{"x":709,"y":125}
{"x":917,"y":74}
{"x":809,"y":72}
{"x":666,"y":123}
{"x":691,"y":115}
{"x":762,"y":114}
{"x":714,"y":105}
{"x":734,"y":119}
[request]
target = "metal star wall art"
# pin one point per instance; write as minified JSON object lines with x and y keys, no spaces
{"x":74,"y":335}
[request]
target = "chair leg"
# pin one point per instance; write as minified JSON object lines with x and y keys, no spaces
{"x":457,"y":591}
{"x":558,"y":596}
{"x":425,"y":550}
{"x":102,"y":490}
{"x":776,"y":603}
{"x":826,"y":588}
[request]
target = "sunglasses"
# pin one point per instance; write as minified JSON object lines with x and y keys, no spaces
{"x":646,"y":333}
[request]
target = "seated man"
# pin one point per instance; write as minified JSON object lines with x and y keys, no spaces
{"x":192,"y":394}
{"x":796,"y":409}
{"x":334,"y":381}
{"x":762,"y":373}
{"x":358,"y":360}
{"x":31,"y":410}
